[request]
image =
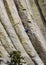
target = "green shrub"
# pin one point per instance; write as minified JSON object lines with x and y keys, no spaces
{"x":16,"y":58}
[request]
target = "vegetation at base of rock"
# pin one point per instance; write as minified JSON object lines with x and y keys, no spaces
{"x":16,"y":58}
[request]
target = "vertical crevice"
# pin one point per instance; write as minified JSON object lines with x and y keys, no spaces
{"x":40,"y":12}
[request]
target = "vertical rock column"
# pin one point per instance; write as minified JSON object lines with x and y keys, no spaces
{"x":4,"y":55}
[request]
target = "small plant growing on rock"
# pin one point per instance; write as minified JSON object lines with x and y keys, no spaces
{"x":16,"y":58}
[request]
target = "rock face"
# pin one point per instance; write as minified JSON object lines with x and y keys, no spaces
{"x":23,"y":28}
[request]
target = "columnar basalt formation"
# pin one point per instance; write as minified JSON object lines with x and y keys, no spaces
{"x":20,"y":29}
